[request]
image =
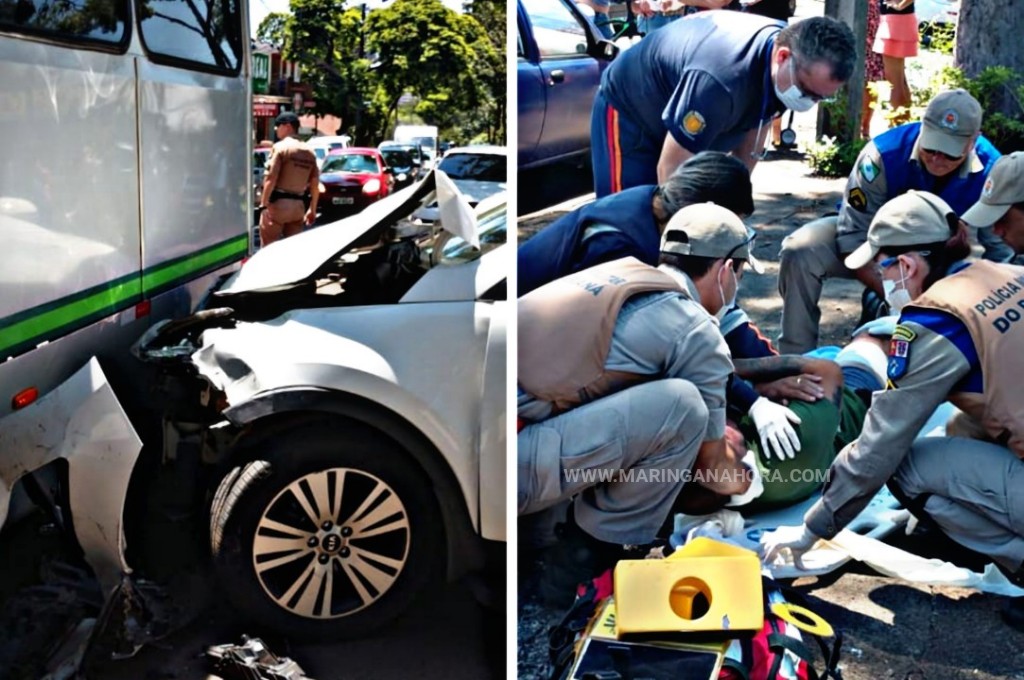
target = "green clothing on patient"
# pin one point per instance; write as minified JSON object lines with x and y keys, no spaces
{"x":824,"y":430}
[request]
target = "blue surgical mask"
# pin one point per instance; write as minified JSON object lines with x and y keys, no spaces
{"x":793,"y":97}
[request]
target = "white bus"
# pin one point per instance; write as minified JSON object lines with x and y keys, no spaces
{"x":125,"y":190}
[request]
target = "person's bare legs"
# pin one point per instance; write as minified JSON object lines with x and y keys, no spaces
{"x":866,"y":112}
{"x":900,"y":95}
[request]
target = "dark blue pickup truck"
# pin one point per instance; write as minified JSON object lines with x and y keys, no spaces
{"x":561,"y":57}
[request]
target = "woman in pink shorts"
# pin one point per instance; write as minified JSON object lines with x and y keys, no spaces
{"x":895,"y":41}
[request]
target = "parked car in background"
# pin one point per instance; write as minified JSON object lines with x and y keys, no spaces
{"x":477,"y":171}
{"x":561,"y":58}
{"x":352,"y":179}
{"x":936,"y":16}
{"x":323,"y":145}
{"x":359,"y":429}
{"x":405,"y":160}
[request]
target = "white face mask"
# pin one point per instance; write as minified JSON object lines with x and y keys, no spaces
{"x":731,"y":302}
{"x":793,"y":98}
{"x":897,"y":299}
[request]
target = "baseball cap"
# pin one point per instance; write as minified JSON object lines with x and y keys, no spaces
{"x":952,"y":118}
{"x":911,"y":219}
{"x":709,"y":230}
{"x":1003,"y":188}
{"x":287,"y":118}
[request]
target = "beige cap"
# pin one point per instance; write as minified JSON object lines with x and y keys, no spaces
{"x":1003,"y":188}
{"x":910,"y":219}
{"x":709,"y":230}
{"x":950,"y":120}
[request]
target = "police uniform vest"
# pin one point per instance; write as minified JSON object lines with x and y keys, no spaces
{"x":553,"y":252}
{"x":901,"y":176}
{"x":989,"y":299}
{"x":565,"y":331}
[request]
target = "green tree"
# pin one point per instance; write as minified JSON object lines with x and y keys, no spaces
{"x":422,"y":47}
{"x":491,"y":14}
{"x":273,"y":29}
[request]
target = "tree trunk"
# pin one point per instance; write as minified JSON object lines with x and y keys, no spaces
{"x":989,"y":35}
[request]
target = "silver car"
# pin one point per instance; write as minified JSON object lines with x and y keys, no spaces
{"x":349,"y":385}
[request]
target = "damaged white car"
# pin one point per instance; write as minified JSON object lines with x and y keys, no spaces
{"x":348,"y":385}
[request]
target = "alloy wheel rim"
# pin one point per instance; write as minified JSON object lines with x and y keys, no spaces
{"x":331,"y":543}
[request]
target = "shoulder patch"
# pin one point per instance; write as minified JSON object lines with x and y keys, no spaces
{"x":857,"y":200}
{"x":693,"y":124}
{"x":869,"y":169}
{"x":899,"y":354}
{"x":903,"y":333}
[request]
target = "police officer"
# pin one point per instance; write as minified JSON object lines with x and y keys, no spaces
{"x":945,"y":154}
{"x":713,"y":80}
{"x":630,"y":223}
{"x":1001,"y":204}
{"x":293,"y":171}
{"x":622,"y":368}
{"x":960,"y":338}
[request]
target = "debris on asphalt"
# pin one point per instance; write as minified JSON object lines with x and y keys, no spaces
{"x":252,"y":660}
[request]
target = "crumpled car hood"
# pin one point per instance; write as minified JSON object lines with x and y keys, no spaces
{"x":300,"y":257}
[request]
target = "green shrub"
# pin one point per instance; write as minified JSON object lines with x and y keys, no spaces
{"x":831,"y":158}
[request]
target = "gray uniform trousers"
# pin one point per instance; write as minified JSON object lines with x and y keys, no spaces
{"x":809,"y":256}
{"x":654,"y":430}
{"x":976,"y":493}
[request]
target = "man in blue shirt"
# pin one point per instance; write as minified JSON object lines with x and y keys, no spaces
{"x":711,"y":81}
{"x":630,"y":223}
{"x":945,"y":154}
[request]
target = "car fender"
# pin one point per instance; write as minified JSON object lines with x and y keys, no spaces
{"x":82,"y":422}
{"x":424,"y":362}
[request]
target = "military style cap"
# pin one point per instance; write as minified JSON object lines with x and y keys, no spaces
{"x":910,"y":219}
{"x":287,"y":118}
{"x":709,"y":230}
{"x":950,"y":120}
{"x":1003,"y":188}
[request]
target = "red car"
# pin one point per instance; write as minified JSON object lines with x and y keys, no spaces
{"x":352,"y":179}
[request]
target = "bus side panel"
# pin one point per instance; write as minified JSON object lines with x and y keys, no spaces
{"x":68,"y":190}
{"x":195,"y":192}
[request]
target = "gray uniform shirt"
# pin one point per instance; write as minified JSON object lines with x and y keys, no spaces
{"x":934,"y":367}
{"x":664,"y":335}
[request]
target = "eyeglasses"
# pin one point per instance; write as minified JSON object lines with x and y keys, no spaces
{"x":890,"y":261}
{"x":813,"y":96}
{"x":751,"y":235}
{"x":941,"y":154}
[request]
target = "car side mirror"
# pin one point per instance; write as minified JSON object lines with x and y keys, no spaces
{"x":604,"y":49}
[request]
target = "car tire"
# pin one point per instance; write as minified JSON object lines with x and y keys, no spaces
{"x":377,"y":545}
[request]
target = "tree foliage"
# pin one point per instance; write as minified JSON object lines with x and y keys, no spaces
{"x":360,"y":63}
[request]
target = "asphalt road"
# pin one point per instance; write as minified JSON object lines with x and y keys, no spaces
{"x":441,"y":637}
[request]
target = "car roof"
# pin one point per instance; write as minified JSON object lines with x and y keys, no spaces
{"x":487,"y":149}
{"x":352,"y":150}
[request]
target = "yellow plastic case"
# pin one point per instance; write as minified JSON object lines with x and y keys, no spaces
{"x":653,"y":596}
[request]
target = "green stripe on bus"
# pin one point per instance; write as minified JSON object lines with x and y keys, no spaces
{"x":183,"y":268}
{"x":66,"y":314}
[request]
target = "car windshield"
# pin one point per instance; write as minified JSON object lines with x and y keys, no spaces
{"x":483,"y":167}
{"x":491,"y":227}
{"x":397,"y":158}
{"x":350,"y":163}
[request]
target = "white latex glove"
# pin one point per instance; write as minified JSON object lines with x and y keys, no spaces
{"x":880,"y":327}
{"x":773,"y":427}
{"x":756,"y":484}
{"x":796,"y":539}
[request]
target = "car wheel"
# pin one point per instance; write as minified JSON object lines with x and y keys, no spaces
{"x":330,"y":532}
